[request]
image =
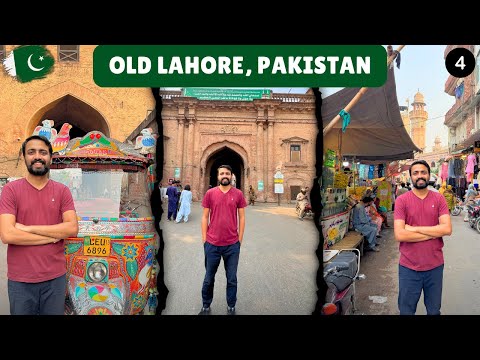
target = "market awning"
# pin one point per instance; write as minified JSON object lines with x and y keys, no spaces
{"x":376,"y":130}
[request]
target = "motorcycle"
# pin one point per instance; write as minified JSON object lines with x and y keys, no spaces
{"x":341,"y":273}
{"x":473,"y":211}
{"x":307,"y":211}
{"x":459,"y":206}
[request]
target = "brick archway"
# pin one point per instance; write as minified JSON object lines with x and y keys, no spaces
{"x":216,"y":147}
{"x":40,"y":104}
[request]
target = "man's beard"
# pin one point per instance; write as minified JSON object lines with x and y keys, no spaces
{"x":420,"y":187}
{"x":38,"y":172}
{"x":225,"y":181}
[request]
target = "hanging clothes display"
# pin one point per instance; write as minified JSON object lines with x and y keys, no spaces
{"x":451,"y":164}
{"x":381,"y":170}
{"x":371,"y":170}
{"x":444,"y":171}
{"x":456,"y":175}
{"x":458,"y":168}
{"x":361,"y":169}
{"x":471,"y":162}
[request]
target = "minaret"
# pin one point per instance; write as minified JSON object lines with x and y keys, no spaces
{"x":406,"y":117}
{"x":418,"y":119}
{"x":438,"y":145}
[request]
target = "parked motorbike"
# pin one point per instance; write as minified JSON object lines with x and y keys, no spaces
{"x":341,"y":274}
{"x":457,"y":210}
{"x":473,"y":214}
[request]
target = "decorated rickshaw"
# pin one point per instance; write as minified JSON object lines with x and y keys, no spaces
{"x":111,"y":267}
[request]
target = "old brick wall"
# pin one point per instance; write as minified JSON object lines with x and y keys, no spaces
{"x":23,"y":104}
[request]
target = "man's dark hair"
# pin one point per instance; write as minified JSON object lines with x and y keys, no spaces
{"x":417,"y":162}
{"x":224,"y":167}
{"x":367,"y":199}
{"x":37,"y":137}
{"x":187,"y":187}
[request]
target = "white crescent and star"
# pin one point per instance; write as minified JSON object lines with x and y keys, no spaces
{"x":33,"y":68}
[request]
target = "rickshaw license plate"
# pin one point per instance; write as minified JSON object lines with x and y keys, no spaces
{"x":96,"y":246}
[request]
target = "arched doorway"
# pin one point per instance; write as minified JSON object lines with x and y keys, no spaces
{"x":225,"y":156}
{"x":77,"y":113}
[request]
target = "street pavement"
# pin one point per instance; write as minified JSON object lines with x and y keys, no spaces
{"x":276,"y":272}
{"x":277,"y":268}
{"x":378,"y":293}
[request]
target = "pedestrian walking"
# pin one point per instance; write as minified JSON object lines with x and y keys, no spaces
{"x":251,"y":196}
{"x":172,"y":201}
{"x":185,"y":202}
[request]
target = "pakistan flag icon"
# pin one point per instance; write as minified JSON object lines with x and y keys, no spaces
{"x":29,"y":62}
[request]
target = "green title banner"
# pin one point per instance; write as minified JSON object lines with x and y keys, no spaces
{"x":240,"y":65}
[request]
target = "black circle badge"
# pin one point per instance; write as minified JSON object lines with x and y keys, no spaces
{"x":460,"y":62}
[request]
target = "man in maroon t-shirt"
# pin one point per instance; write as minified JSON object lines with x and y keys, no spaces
{"x":36,"y":214}
{"x":421,"y":219}
{"x":222,"y":236}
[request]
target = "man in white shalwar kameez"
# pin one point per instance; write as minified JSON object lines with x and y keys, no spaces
{"x":185,"y":202}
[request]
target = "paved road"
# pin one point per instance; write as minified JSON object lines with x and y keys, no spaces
{"x":461,"y":287}
{"x":276,"y":272}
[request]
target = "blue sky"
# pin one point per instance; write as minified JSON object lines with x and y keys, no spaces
{"x":423,"y":68}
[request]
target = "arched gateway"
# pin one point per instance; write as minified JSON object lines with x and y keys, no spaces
{"x":224,"y":153}
{"x":69,"y":109}
{"x":225,"y":156}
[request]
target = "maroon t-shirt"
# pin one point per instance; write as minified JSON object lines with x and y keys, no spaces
{"x":223,"y":225}
{"x":36,"y":263}
{"x":422,"y":255}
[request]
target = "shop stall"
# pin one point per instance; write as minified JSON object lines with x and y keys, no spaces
{"x":357,"y":152}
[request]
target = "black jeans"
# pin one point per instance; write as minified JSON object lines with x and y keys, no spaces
{"x":213,"y":255}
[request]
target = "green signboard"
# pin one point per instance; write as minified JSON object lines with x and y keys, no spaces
{"x":260,"y":185}
{"x":329,"y":158}
{"x":226,"y":94}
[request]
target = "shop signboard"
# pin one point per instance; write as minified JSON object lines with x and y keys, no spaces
{"x":329,"y":158}
{"x":334,"y":228}
{"x":385,"y":194}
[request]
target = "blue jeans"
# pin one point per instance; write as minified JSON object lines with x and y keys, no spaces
{"x":213,"y":255}
{"x":43,"y":298}
{"x":411,"y":284}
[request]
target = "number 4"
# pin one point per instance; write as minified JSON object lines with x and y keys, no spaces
{"x":460,"y":63}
